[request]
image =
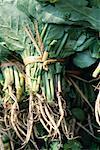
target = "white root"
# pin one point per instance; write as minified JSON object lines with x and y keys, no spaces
{"x":97,"y":108}
{"x":30,"y":120}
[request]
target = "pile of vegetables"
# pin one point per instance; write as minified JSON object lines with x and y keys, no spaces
{"x":40,"y":93}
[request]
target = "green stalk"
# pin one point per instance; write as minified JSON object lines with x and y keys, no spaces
{"x":51,"y":81}
{"x":11,"y":75}
{"x":7,"y":76}
{"x":43,"y":85}
{"x":46,"y":34}
{"x":18,"y":87}
{"x":33,"y":70}
{"x":28,"y":81}
{"x":48,"y":92}
{"x":62,"y":44}
{"x":34,"y":80}
{"x":22,"y":81}
{"x":52,"y":88}
{"x":39,"y":78}
{"x":37,"y":84}
{"x":44,"y":30}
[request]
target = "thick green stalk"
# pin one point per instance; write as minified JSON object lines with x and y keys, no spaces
{"x":7,"y":76}
{"x":18,"y":87}
{"x":48,"y":92}
{"x":52,"y":88}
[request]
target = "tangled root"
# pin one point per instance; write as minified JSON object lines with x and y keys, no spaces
{"x":50,"y":116}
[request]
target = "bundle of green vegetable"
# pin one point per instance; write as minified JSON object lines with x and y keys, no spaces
{"x":36,"y":40}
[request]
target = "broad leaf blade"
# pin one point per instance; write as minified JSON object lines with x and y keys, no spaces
{"x":83,"y":59}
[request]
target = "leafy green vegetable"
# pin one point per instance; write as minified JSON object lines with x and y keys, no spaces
{"x":78,"y":113}
{"x":94,"y":146}
{"x":5,"y":138}
{"x":12,"y":30}
{"x":54,"y":145}
{"x":84,"y":59}
{"x":72,"y":145}
{"x":95,"y":49}
{"x":1,"y":78}
{"x":66,"y":28}
{"x":94,"y":3}
{"x":71,"y":12}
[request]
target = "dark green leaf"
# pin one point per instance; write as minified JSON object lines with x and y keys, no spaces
{"x":83,"y":59}
{"x":94,"y":146}
{"x":72,"y":145}
{"x":94,"y":3}
{"x":95,"y":49}
{"x":85,"y":44}
{"x":78,"y":114}
{"x":54,"y":145}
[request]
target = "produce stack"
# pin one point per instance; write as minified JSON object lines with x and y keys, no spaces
{"x":37,"y":39}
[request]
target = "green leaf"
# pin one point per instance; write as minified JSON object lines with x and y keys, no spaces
{"x":63,"y":12}
{"x":83,"y":59}
{"x":1,"y":78}
{"x":94,"y":3}
{"x":54,"y":145}
{"x":78,"y":113}
{"x":12,"y":28}
{"x":79,"y":11}
{"x":4,"y":53}
{"x":80,"y":41}
{"x":24,"y":6}
{"x":85,"y":44}
{"x":72,"y":145}
{"x":94,"y":146}
{"x":29,"y":7}
{"x":54,"y":32}
{"x":51,"y":15}
{"x":73,"y":2}
{"x":95,"y":49}
{"x":5,"y":139}
{"x":71,"y":12}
